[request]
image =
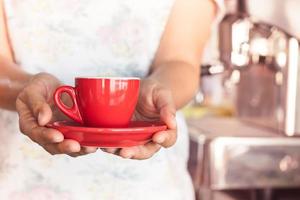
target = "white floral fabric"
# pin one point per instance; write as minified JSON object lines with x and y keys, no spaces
{"x":70,"y":38}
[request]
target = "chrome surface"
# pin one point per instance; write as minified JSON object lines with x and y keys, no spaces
{"x":236,"y":155}
{"x":265,"y":62}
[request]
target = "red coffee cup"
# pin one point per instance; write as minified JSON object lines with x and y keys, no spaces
{"x":100,"y":102}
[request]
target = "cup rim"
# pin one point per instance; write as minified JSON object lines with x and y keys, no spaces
{"x":110,"y":78}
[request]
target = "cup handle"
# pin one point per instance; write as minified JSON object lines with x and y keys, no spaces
{"x":71,"y":112}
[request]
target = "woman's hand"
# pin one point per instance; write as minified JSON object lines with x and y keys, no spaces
{"x":155,"y":104}
{"x":36,"y":108}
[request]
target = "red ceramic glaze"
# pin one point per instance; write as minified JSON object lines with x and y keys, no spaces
{"x":100,"y":102}
{"x":137,"y":133}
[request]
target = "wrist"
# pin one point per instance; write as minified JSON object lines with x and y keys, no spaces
{"x":10,"y":86}
{"x":155,"y":83}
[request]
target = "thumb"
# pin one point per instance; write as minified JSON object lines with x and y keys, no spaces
{"x":168,"y":116}
{"x":167,"y":109}
{"x":44,"y":115}
{"x":40,"y":108}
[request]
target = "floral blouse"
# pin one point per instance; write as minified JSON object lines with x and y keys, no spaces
{"x":70,"y":38}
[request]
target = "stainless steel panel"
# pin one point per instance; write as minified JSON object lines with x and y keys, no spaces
{"x":236,"y":155}
{"x":238,"y":163}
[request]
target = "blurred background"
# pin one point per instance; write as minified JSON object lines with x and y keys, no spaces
{"x":244,"y":122}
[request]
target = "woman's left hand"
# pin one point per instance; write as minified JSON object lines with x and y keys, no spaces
{"x":155,"y":104}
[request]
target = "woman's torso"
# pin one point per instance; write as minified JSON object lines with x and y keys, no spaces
{"x":94,"y":37}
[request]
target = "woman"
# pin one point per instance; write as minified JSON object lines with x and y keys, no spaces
{"x":160,"y":41}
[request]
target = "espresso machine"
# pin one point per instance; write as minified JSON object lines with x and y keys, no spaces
{"x":266,"y":59}
{"x":254,"y":155}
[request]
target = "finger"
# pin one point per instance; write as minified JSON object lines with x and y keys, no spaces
{"x":165,"y":138}
{"x":44,"y":135}
{"x":168,"y":116}
{"x":166,"y":107}
{"x":110,"y":150}
{"x":55,"y":149}
{"x":140,"y":152}
{"x":45,"y":115}
{"x":83,"y":151}
{"x":29,"y":127}
{"x":26,"y":121}
{"x":69,"y":146}
{"x":38,"y":105}
{"x":88,"y":150}
{"x":65,"y":147}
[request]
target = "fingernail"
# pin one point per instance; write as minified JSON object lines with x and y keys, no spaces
{"x":89,"y":149}
{"x":40,"y":118}
{"x":111,"y":150}
{"x":73,"y":148}
{"x":160,"y":139}
{"x":174,"y":122}
{"x":128,"y":155}
{"x":57,"y":138}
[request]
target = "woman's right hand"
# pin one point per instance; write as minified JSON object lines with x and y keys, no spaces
{"x":36,"y":108}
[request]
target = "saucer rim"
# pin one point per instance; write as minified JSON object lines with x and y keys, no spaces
{"x":108,"y":78}
{"x":156,"y":125}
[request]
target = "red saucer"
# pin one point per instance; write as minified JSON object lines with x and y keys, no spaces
{"x":137,"y":133}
